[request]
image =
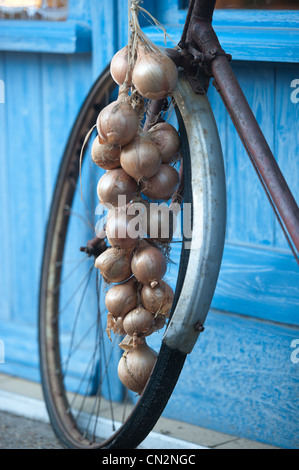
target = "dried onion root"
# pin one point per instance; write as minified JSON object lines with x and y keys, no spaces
{"x":114,"y":324}
{"x":138,"y":322}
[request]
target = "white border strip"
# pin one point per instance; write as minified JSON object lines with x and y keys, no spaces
{"x":32,"y":408}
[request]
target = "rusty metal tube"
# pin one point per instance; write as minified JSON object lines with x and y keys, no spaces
{"x":256,"y":145}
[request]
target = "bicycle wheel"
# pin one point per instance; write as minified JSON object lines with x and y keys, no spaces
{"x":86,"y":409}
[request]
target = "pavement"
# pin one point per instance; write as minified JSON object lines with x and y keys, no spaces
{"x":24,"y":424}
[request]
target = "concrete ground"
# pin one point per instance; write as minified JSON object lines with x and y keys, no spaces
{"x":24,"y":424}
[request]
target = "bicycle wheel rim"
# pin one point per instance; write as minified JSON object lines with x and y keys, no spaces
{"x":170,"y":360}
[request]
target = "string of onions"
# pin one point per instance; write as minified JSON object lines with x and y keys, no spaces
{"x":137,"y":164}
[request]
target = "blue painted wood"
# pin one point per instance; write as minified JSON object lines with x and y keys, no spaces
{"x":21,"y":349}
{"x":246,"y":35}
{"x":249,"y":217}
{"x":79,"y":10}
{"x":43,"y":96}
{"x":286,"y":134}
{"x":251,"y":226}
{"x":24,"y":174}
{"x":41,"y":36}
{"x":258,"y":283}
{"x":5,"y":272}
{"x":66,"y":82}
{"x":105,"y":17}
{"x":240,"y":380}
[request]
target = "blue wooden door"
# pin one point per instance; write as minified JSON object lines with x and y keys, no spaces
{"x":46,"y":68}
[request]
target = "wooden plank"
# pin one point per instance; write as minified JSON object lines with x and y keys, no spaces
{"x":249,"y":217}
{"x":259,"y":283}
{"x":66,"y":81}
{"x":25,"y":176}
{"x":79,"y":10}
{"x":43,"y":36}
{"x":20,"y":360}
{"x":286,"y":135}
{"x":5,"y":228}
{"x":104,"y":34}
{"x":259,"y":36}
{"x":240,"y":380}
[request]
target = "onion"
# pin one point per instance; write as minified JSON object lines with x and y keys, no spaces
{"x":119,"y":67}
{"x":104,"y":155}
{"x":114,"y":265}
{"x":155,"y":75}
{"x":167,"y":140}
{"x":117,"y":124}
{"x":119,"y":231}
{"x":157,"y":300}
{"x":122,"y":298}
{"x":140,"y":158}
{"x":116,"y":187}
{"x":159,"y":222}
{"x":162,"y":185}
{"x":135,"y":367}
{"x":148,"y":264}
{"x":138,"y":322}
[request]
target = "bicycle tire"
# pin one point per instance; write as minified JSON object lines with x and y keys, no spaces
{"x":171,"y":356}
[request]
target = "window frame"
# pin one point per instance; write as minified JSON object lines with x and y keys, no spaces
{"x":74,"y":35}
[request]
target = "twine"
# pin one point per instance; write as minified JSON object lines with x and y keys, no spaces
{"x":137,"y":37}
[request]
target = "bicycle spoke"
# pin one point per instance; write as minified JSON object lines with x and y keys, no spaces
{"x":68,"y":261}
{"x":70,"y":211}
{"x":74,"y":269}
{"x":88,"y":213}
{"x":58,"y":314}
{"x":77,"y":314}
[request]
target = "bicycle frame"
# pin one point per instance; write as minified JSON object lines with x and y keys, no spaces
{"x":199,"y":44}
{"x":200,"y":38}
